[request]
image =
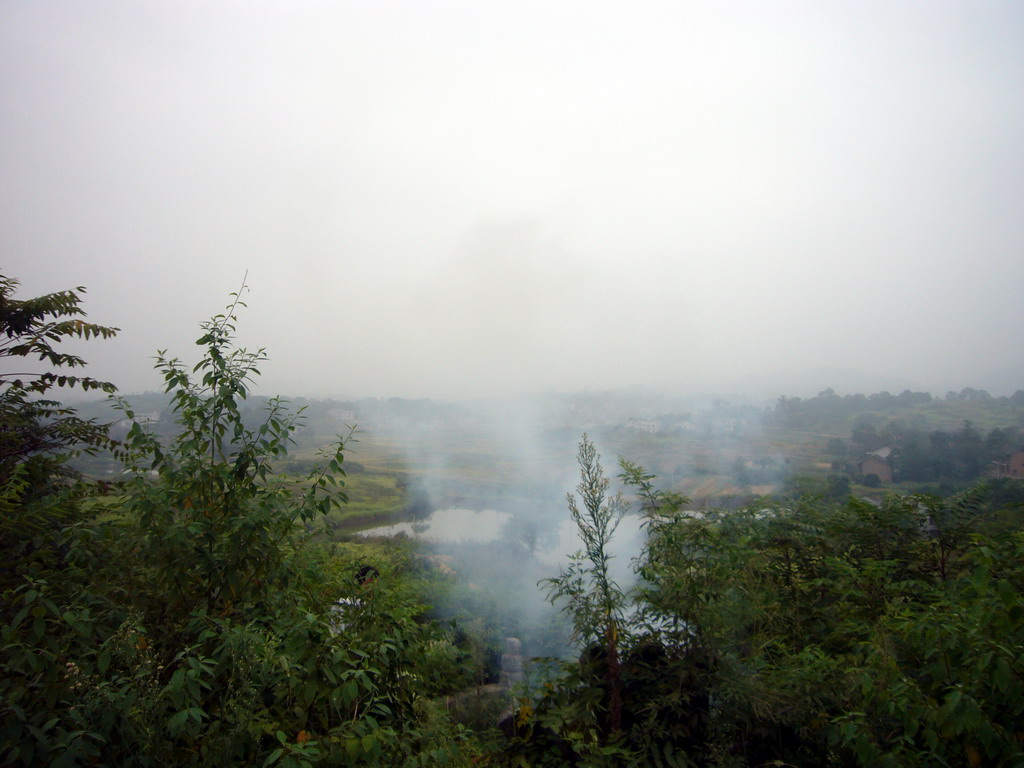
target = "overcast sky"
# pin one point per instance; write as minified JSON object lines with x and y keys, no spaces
{"x":473,"y":198}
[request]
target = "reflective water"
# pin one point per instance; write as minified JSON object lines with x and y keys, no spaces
{"x":551,"y":541}
{"x":446,"y":525}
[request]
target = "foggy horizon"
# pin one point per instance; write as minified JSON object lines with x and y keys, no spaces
{"x":460,"y":200}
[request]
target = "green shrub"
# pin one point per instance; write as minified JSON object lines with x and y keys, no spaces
{"x":192,"y":626}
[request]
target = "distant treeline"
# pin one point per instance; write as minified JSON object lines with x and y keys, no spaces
{"x":796,"y":412}
{"x":965,"y":454}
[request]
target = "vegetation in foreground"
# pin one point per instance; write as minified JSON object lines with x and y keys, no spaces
{"x":845,"y":634}
{"x":186,"y":617}
{"x":195,"y":626}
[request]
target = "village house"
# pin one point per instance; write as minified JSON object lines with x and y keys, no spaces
{"x":342,"y":415}
{"x":646,"y":426}
{"x":1011,"y":466}
{"x":877,"y":463}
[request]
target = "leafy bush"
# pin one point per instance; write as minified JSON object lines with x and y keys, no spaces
{"x":805,"y":634}
{"x":190,"y":624}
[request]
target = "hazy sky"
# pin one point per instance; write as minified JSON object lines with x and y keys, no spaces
{"x":476,"y":198}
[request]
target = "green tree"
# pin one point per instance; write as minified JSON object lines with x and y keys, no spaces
{"x":191,"y":623}
{"x":854,"y":634}
{"x":218,"y":521}
{"x":592,"y":597}
{"x":38,"y":435}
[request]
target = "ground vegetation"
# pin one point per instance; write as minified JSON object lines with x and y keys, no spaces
{"x":806,"y":634}
{"x":194,"y":609}
{"x":185,"y":618}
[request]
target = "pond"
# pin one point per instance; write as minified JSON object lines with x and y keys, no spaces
{"x":551,"y":540}
{"x":449,"y":525}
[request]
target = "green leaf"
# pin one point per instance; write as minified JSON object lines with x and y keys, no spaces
{"x":1007,"y":594}
{"x":177,"y":721}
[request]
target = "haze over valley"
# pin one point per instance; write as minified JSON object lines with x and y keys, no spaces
{"x":506,"y":384}
{"x":461,"y":201}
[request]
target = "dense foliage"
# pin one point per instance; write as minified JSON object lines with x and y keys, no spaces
{"x":855,"y":634}
{"x":964,"y":454}
{"x":183,"y":620}
{"x":38,"y":435}
{"x":190,"y":614}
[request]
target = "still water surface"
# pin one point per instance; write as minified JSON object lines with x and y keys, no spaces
{"x":553,"y":541}
{"x":447,"y":525}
